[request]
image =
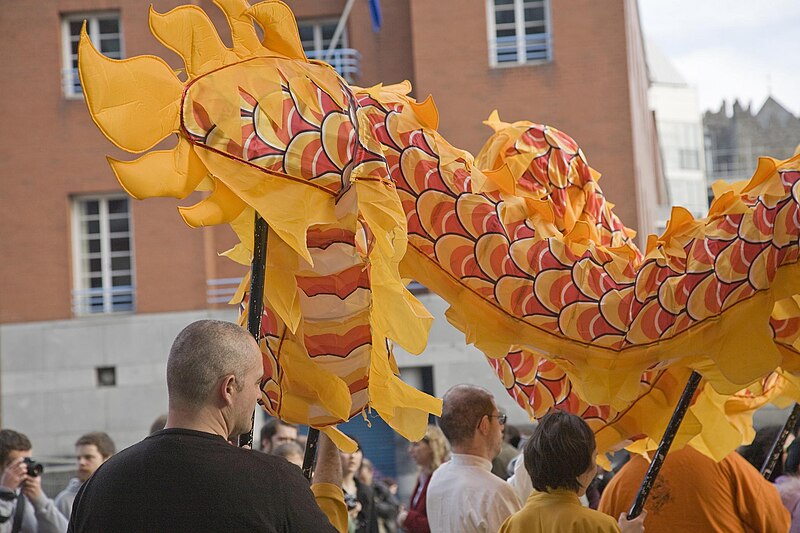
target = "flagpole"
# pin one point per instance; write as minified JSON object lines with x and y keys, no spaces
{"x":337,"y":33}
{"x":255,"y":306}
{"x":777,"y":447}
{"x":663,"y":448}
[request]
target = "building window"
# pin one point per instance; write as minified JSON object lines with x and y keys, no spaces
{"x":519,"y":31}
{"x":681,"y":143}
{"x":689,"y":159}
{"x":103,"y":29}
{"x":316,"y":37}
{"x":102,"y":255}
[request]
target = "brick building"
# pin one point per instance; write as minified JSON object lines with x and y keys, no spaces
{"x":94,"y":286}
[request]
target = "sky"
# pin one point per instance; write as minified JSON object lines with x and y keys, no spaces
{"x":730,"y":49}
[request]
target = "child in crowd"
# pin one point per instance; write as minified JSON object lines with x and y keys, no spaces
{"x":561,"y":459}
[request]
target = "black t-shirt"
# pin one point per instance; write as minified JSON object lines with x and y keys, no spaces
{"x":184,"y":480}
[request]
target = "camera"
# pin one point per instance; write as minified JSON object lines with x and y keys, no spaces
{"x":350,"y":501}
{"x":34,"y":469}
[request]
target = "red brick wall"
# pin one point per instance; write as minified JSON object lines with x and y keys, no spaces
{"x":650,"y":184}
{"x":584,"y":91}
{"x":51,"y":150}
{"x":386,"y":55}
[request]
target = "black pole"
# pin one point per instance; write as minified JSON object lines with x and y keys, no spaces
{"x":310,"y":457}
{"x":256,"y":303}
{"x":777,"y":447}
{"x":255,"y":309}
{"x":663,"y":448}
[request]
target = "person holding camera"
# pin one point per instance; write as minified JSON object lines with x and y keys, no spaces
{"x":24,"y":507}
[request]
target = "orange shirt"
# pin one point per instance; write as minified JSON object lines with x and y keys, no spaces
{"x":693,"y":493}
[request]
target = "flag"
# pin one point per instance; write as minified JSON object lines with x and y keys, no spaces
{"x":375,"y":14}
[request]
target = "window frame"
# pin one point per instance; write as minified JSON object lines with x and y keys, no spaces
{"x":519,"y":30}
{"x":345,"y":60}
{"x":317,"y":24}
{"x":82,"y":303}
{"x":69,"y":74}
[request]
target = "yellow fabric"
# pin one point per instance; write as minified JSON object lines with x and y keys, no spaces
{"x":139,"y":101}
{"x":134,"y":101}
{"x":243,"y":34}
{"x":330,"y":499}
{"x":175,"y":173}
{"x":736,"y":336}
{"x":189,"y":32}
{"x":720,"y":346}
{"x":558,"y":511}
{"x":264,"y":131}
{"x":280,"y":29}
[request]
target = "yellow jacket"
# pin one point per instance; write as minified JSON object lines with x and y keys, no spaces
{"x":558,"y":512}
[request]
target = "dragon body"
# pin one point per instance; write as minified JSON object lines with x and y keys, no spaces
{"x":360,"y":191}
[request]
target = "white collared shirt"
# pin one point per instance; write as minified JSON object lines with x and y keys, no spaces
{"x":465,"y":497}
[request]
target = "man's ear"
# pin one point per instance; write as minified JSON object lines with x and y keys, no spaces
{"x":227,"y":387}
{"x":483,"y":425}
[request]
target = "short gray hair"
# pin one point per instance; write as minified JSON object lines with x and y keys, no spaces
{"x":463,"y":406}
{"x":203,"y":353}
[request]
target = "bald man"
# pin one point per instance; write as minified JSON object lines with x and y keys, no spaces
{"x":463,"y":495}
{"x":187,"y":477}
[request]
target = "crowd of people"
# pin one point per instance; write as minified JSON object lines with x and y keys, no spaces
{"x":475,"y":472}
{"x":23,"y":504}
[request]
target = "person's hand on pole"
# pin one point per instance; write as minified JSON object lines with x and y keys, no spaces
{"x":632,"y":526}
{"x":329,"y":465}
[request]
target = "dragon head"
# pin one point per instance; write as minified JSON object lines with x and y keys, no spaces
{"x":251,"y":120}
{"x":267,"y":131}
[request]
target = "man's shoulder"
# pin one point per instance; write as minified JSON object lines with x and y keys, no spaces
{"x":71,"y":489}
{"x":214,"y":447}
{"x":186,"y":445}
{"x":121,"y":457}
{"x":469,"y":478}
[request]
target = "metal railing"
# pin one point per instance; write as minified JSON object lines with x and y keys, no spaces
{"x":103,"y":300}
{"x":346,"y":61}
{"x":221,"y":290}
{"x":71,"y":83}
{"x":536,"y":48}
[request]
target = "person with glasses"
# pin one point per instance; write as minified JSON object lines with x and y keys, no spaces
{"x":463,"y":494}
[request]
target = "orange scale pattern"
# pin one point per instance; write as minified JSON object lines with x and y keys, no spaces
{"x":570,"y":290}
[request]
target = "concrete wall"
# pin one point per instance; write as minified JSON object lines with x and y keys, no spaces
{"x":48,"y":376}
{"x":49,"y":383}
